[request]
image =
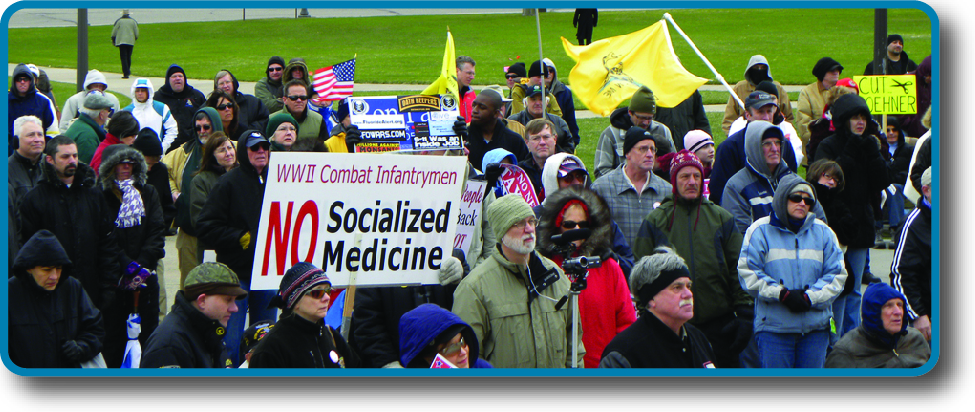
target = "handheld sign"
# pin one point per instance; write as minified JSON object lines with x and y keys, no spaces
{"x":440,"y":362}
{"x":888,"y":94}
{"x":515,"y":180}
{"x":405,"y":123}
{"x":470,"y":214}
{"x":404,"y":208}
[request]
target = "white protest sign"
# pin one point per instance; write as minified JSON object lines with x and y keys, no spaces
{"x":404,"y":208}
{"x":470,"y":214}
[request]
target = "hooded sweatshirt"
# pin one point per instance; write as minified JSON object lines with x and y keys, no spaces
{"x":153,"y":114}
{"x":744,"y":87}
{"x":32,"y":103}
{"x":70,"y":110}
{"x":421,"y":326}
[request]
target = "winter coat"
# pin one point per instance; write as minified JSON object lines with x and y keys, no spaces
{"x":200,"y":189}
{"x":517,"y":95}
{"x":295,"y":342}
{"x":773,"y":258}
{"x":153,"y":114}
{"x":503,"y":138}
{"x":563,"y":95}
{"x":605,"y":306}
{"x":44,"y":320}
{"x":96,"y":159}
{"x":685,"y":116}
{"x":704,"y":234}
{"x":87,"y":134}
{"x":311,"y":126}
{"x":467,"y":102}
{"x":812,"y":101}
{"x":889,"y":67}
{"x":648,"y":343}
{"x":419,"y":327}
{"x":911,"y":123}
{"x":23,"y":174}
{"x":186,"y":338}
{"x":729,"y":158}
{"x":232,"y":210}
{"x":911,"y":269}
{"x":269,"y":92}
{"x":513,"y":331}
{"x":125,"y":31}
{"x":183,"y":164}
{"x":609,"y":148}
{"x":743,"y":88}
{"x":376,"y":318}
{"x":837,"y":212}
{"x":564,"y":137}
{"x":32,"y":103}
{"x":70,"y":110}
{"x":584,"y":20}
{"x":748,"y":194}
{"x":183,"y":106}
{"x":900,"y":161}
{"x":78,"y":216}
{"x":864,"y":168}
{"x":158,"y":177}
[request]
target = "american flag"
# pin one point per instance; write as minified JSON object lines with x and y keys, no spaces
{"x":335,"y":82}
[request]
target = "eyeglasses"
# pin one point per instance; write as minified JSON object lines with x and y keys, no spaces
{"x":770,"y":143}
{"x":275,"y":69}
{"x":569,"y":224}
{"x":530,"y":221}
{"x":202,"y":127}
{"x":454,"y":348}
{"x":319,"y":293}
{"x":798,"y":198}
{"x":297,"y":98}
{"x":574,"y":178}
{"x":224,"y":106}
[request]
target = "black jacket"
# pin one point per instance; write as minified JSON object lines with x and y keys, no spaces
{"x":865,"y":170}
{"x":186,"y":338}
{"x":233,"y":208}
{"x":685,"y":116}
{"x":78,"y":216}
{"x":44,"y":320}
{"x":22,"y":174}
{"x":158,"y":177}
{"x":183,"y":106}
{"x":903,"y":66}
{"x":911,"y":268}
{"x":648,"y":343}
{"x":375,"y":320}
{"x":503,"y":138}
{"x":900,"y":161}
{"x":294,"y":342}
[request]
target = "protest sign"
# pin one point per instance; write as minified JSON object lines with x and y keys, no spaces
{"x":389,"y":218}
{"x":888,"y":94}
{"x":470,"y":214}
{"x":515,"y":180}
{"x":440,"y":362}
{"x":405,"y":123}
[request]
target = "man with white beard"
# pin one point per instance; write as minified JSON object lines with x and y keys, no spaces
{"x":509,"y":299}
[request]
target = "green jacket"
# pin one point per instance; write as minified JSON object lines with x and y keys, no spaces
{"x":706,"y":237}
{"x":513,"y":333}
{"x":269,"y":93}
{"x":87,"y":134}
{"x":857,"y":350}
{"x":310,"y":127}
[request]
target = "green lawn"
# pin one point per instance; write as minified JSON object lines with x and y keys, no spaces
{"x":409,"y":49}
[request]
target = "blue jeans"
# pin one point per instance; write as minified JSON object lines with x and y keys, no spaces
{"x":792,"y":350}
{"x":846,"y":309}
{"x":257,"y":301}
{"x":893,"y":209}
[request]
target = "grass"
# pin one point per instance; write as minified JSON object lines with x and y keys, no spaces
{"x":792,"y":39}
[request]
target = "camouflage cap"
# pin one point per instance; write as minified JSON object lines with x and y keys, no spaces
{"x":212,"y":279}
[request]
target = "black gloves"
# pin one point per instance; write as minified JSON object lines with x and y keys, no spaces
{"x":72,"y":351}
{"x":352,"y":136}
{"x":796,"y":300}
{"x":460,"y":128}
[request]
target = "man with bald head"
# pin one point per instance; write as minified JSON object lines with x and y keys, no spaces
{"x":488,"y":132}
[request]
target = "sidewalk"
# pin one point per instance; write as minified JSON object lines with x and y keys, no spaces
{"x":119,"y":85}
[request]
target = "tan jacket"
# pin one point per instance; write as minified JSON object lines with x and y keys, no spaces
{"x":733,"y":111}
{"x":812,"y":100}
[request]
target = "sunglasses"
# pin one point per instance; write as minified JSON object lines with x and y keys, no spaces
{"x":202,"y":127}
{"x":224,"y":106}
{"x":319,"y":293}
{"x":569,"y":224}
{"x":452,"y":349}
{"x":511,"y":76}
{"x":797,"y":198}
{"x":297,"y":98}
{"x":275,"y":69}
{"x":259,"y":146}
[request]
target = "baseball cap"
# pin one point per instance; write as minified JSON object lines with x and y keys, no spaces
{"x":759,"y":99}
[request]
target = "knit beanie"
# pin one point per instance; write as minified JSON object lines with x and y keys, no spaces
{"x":643,"y":102}
{"x":768,"y":87}
{"x":506,"y":211}
{"x":633,"y":136}
{"x":683,"y":159}
{"x":694,"y":140}
{"x":537,"y":69}
{"x":273,"y":60}
{"x":296,"y":281}
{"x":803,"y":188}
{"x":825,"y":65}
{"x":517,"y":69}
{"x":174,"y":68}
{"x":892,"y":37}
{"x":148,"y":143}
{"x":343,"y":110}
{"x":274,"y":121}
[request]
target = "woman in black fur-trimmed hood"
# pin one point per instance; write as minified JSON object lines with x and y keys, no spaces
{"x":605,"y":306}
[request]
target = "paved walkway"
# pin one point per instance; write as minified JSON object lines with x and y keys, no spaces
{"x":118,"y":84}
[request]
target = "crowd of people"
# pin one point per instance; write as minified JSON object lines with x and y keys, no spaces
{"x":681,"y":253}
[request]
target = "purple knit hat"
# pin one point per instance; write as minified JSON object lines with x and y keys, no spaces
{"x":296,"y":281}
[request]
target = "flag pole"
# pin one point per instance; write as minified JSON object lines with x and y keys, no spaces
{"x":708,"y":63}
{"x":538,"y":28}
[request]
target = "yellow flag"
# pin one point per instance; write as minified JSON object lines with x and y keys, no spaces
{"x":447,"y":82}
{"x":610,"y":70}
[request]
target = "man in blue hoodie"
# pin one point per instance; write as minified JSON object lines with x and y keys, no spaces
{"x":23,"y":99}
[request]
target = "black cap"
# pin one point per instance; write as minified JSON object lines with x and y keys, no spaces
{"x":892,"y":37}
{"x":518,"y":69}
{"x":148,"y":143}
{"x":825,"y":65}
{"x":536,"y":69}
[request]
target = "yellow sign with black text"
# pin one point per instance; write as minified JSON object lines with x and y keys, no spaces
{"x":889,"y":94}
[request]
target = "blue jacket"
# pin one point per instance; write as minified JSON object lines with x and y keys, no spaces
{"x":32,"y":103}
{"x":420,"y":326}
{"x":774,"y":257}
{"x":729,"y":158}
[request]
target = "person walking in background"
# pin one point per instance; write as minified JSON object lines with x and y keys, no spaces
{"x":124,"y":34}
{"x":584,"y":20}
